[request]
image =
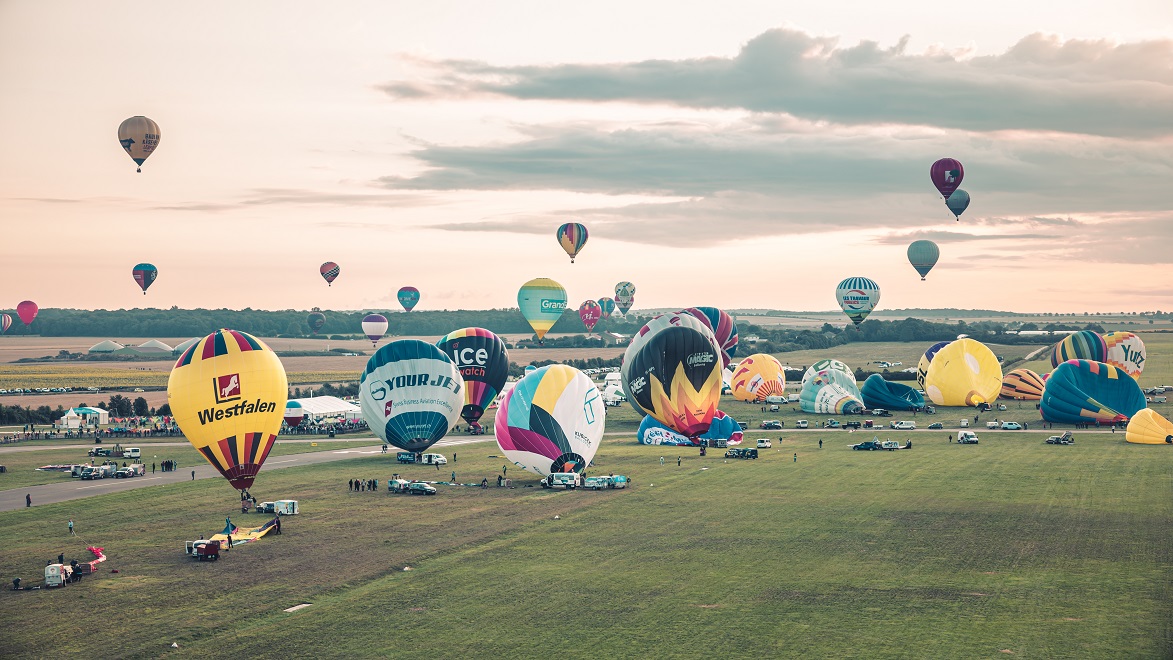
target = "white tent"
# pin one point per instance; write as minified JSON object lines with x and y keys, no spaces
{"x":329,"y":409}
{"x":75,"y":418}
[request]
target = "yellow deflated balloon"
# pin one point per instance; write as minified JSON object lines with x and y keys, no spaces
{"x":964,"y":373}
{"x":227,"y":393}
{"x":1148,"y":428}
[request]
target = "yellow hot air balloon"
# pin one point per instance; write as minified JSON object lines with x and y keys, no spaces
{"x":227,"y":392}
{"x":1148,"y":428}
{"x":964,"y":373}
{"x":757,"y":377}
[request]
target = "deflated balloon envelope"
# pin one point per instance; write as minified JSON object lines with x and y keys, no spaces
{"x":551,"y":421}
{"x":880,"y":393}
{"x":1023,"y":385}
{"x":964,"y":373}
{"x":1085,"y":392}
{"x":723,"y":427}
{"x":829,"y":387}
{"x":922,"y":367}
{"x":1149,"y":428}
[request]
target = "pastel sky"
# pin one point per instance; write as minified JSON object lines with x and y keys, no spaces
{"x":736,"y":154}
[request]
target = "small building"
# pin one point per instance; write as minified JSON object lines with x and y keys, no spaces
{"x":76,"y":418}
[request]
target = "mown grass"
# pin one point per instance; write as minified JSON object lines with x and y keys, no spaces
{"x":942,"y":551}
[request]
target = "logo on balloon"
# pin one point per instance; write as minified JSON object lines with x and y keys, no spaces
{"x":549,"y":305}
{"x":698,"y":359}
{"x":387,"y":409}
{"x":856,"y":299}
{"x":227,"y":387}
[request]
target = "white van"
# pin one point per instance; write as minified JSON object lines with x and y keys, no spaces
{"x":132,"y":452}
{"x":567,"y":480}
{"x":965,"y":423}
{"x":904,"y":425}
{"x":793,"y":398}
{"x":776,"y":399}
{"x":434,"y":459}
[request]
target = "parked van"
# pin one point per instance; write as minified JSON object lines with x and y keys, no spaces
{"x":92,"y":472}
{"x":776,"y":399}
{"x":567,"y":480}
{"x":904,"y":425}
{"x":965,"y":423}
{"x":132,"y":452}
{"x":792,"y":398}
{"x":801,"y":424}
{"x":434,"y":459}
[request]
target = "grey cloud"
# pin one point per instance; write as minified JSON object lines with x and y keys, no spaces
{"x":1042,"y":83}
{"x":280,"y":196}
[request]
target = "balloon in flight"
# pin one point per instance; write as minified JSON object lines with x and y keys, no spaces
{"x":410,"y":394}
{"x":923,"y":256}
{"x":572,"y":236}
{"x":374,"y":326}
{"x":946,"y":175}
{"x":958,"y":202}
{"x":294,"y":413}
{"x":408,"y":296}
{"x":857,"y":297}
{"x":542,"y":301}
{"x":227,"y":392}
{"x":483,"y":363}
{"x":27,"y":311}
{"x":138,"y":136}
{"x":607,"y":306}
{"x":144,"y":275}
{"x":624,"y":296}
{"x":964,"y":373}
{"x":590,"y":313}
{"x":329,"y":271}
{"x":672,"y":371}
{"x":551,"y":421}
{"x":1088,"y":392}
{"x":757,"y":377}
{"x":5,"y":323}
{"x":316,"y":320}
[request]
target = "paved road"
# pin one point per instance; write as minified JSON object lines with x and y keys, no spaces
{"x":72,"y":489}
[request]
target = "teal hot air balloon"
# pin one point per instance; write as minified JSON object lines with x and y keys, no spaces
{"x":923,"y":256}
{"x":857,"y":297}
{"x":957,"y":203}
{"x":541,"y":301}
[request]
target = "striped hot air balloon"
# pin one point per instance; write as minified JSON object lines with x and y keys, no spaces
{"x":541,"y":301}
{"x":329,"y":271}
{"x":483,"y":362}
{"x":572,"y":236}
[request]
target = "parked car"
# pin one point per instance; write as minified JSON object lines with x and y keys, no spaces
{"x":743,"y":425}
{"x":831,"y":424}
{"x":420,"y":488}
{"x":868,"y":445}
{"x":1065,"y":439}
{"x":770,"y":425}
{"x":764,"y":443}
{"x":936,"y":426}
{"x":852,"y":425}
{"x":1011,"y":426}
{"x":880,"y":412}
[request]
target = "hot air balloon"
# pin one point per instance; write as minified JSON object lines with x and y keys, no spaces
{"x":1126,"y":351}
{"x":410,"y":394}
{"x":27,"y":311}
{"x":857,"y":296}
{"x":1148,"y":428}
{"x":227,"y":392}
{"x":294,"y":414}
{"x":757,"y":377}
{"x":964,"y":373}
{"x":889,"y":395}
{"x":723,"y":327}
{"x":374,"y":326}
{"x":329,"y":271}
{"x":316,"y":320}
{"x":541,"y":301}
{"x":923,"y":256}
{"x":624,"y":296}
{"x":139,"y":136}
{"x":529,"y":368}
{"x":1082,"y":345}
{"x":571,"y":236}
{"x":957,"y":203}
{"x":551,"y":421}
{"x":672,"y":371}
{"x":607,"y":306}
{"x":922,"y":367}
{"x":828,"y":387}
{"x":946,"y":174}
{"x":5,"y":323}
{"x":481,"y":359}
{"x":1087,"y":392}
{"x":590,"y":313}
{"x":408,"y":296}
{"x":144,"y":276}
{"x":1022,"y":385}
{"x":724,"y":427}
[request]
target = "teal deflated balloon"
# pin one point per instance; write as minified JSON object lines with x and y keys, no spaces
{"x":923,"y":256}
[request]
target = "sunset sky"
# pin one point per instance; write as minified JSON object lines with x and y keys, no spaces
{"x":744,"y":154}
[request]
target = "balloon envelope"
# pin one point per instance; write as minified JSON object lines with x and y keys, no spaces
{"x":138,"y":136}
{"x":958,"y":202}
{"x":483,"y":363}
{"x":880,"y":393}
{"x":144,"y":275}
{"x":1126,"y":351}
{"x":408,"y":296}
{"x":541,"y":301}
{"x":922,"y":367}
{"x":571,"y":236}
{"x":857,"y":297}
{"x":227,"y":392}
{"x":672,"y":371}
{"x":607,"y":305}
{"x":757,"y":377}
{"x":964,"y":373}
{"x":829,"y":387}
{"x":624,"y":296}
{"x":1022,"y":385}
{"x":5,"y":323}
{"x":946,"y":174}
{"x":723,"y":327}
{"x":27,"y":311}
{"x":1082,"y":345}
{"x":1148,"y":428}
{"x":551,"y":421}
{"x":294,"y":413}
{"x":316,"y":320}
{"x":329,"y":271}
{"x":1086,"y":392}
{"x":923,"y":256}
{"x":590,"y":313}
{"x":410,"y":394}
{"x":374,"y":326}
{"x":724,"y":427}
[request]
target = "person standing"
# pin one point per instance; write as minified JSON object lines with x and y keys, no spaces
{"x":193,"y":475}
{"x":454,"y":476}
{"x":505,"y":470}
{"x":820,"y":443}
{"x":350,"y":485}
{"x":661,"y":460}
{"x":453,"y":457}
{"x":795,"y":457}
{"x":152,"y":468}
{"x":677,"y":461}
{"x":71,"y":532}
{"x":28,"y":500}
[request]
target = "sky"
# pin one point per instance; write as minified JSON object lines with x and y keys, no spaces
{"x":739,"y":155}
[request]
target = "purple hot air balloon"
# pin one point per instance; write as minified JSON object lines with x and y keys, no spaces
{"x":374,"y":326}
{"x":947,"y":174}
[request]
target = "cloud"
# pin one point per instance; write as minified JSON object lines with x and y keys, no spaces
{"x":1042,"y":83}
{"x":291,"y":196}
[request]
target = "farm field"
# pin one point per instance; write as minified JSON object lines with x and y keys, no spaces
{"x":1010,"y":545}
